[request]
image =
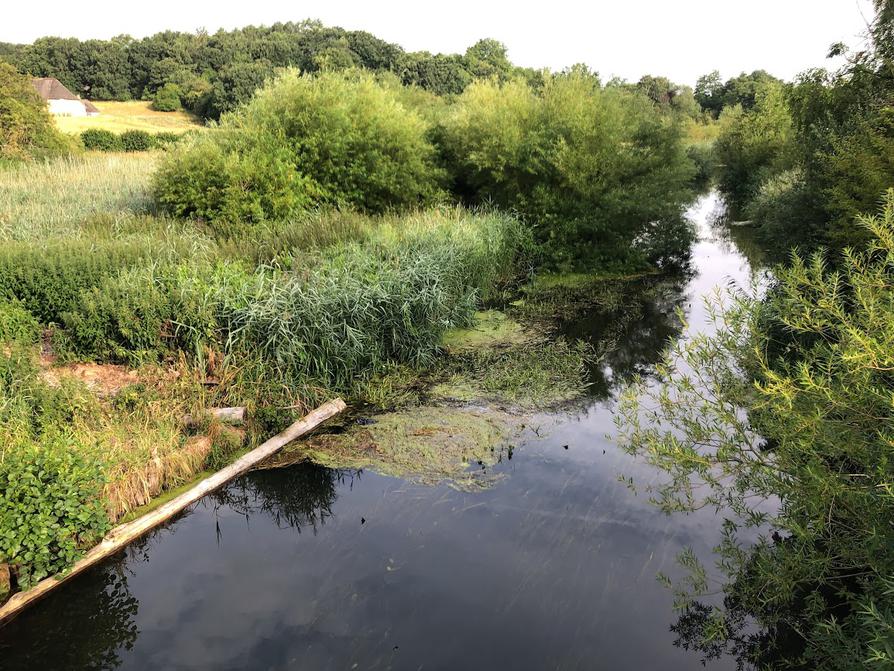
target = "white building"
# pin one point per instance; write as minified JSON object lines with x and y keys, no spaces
{"x":60,"y":100}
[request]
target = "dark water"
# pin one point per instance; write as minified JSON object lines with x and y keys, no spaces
{"x":308,"y":568}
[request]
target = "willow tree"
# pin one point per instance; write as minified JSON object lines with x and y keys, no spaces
{"x":783,"y":421}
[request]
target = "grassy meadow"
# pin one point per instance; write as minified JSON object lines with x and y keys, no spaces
{"x":53,"y":199}
{"x":129,"y":115}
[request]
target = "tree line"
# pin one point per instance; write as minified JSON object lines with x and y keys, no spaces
{"x":209,"y":74}
{"x":214,"y":73}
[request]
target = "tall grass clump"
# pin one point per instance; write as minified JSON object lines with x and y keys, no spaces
{"x":47,"y":278}
{"x":302,"y":141}
{"x":390,"y":299}
{"x":52,"y":198}
{"x":323,"y":317}
{"x":589,"y":167}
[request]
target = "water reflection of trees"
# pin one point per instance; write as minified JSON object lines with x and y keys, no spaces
{"x":734,"y":238}
{"x":629,"y":327}
{"x":743,"y":641}
{"x":299,"y":496}
{"x":89,"y":622}
{"x":86,"y":625}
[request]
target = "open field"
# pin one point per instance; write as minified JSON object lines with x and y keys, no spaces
{"x":130,"y":115}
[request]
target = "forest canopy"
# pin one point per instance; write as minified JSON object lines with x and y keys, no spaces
{"x":216,"y":72}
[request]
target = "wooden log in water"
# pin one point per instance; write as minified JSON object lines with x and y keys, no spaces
{"x":121,"y":536}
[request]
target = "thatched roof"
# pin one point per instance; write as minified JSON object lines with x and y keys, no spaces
{"x":91,"y":108}
{"x":50,"y":88}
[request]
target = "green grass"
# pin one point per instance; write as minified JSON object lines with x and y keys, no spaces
{"x":130,"y":115}
{"x":54,"y":198}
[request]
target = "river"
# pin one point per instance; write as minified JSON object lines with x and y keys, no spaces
{"x":552,"y":567}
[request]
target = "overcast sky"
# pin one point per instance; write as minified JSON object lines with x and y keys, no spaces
{"x":681,"y":39}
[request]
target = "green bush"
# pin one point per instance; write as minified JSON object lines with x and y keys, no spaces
{"x":99,"y":139}
{"x":47,"y":278}
{"x":137,"y":140}
{"x":167,"y":98}
{"x":17,"y":324}
{"x":754,"y":145}
{"x":26,"y":127}
{"x":589,"y":167}
{"x":338,"y":138}
{"x":50,"y":506}
{"x":786,"y":214}
{"x":165,"y":139}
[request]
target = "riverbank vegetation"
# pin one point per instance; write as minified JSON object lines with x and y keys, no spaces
{"x":802,"y":160}
{"x":779,"y":418}
{"x":407,"y":230}
{"x":806,"y":466}
{"x":322,"y":239}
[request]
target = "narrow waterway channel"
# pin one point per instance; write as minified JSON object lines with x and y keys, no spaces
{"x":552,"y":567}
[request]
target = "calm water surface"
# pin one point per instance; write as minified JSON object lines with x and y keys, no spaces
{"x":307,"y":568}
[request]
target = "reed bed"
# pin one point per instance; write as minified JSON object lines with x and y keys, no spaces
{"x":53,"y":198}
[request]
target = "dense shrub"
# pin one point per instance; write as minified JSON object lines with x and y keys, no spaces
{"x":50,"y":507}
{"x":754,"y":145}
{"x":338,"y":138}
{"x":47,"y":278}
{"x":165,"y":139}
{"x":785,"y":211}
{"x":137,"y":140}
{"x":589,"y":167}
{"x":100,"y":139}
{"x":167,"y":98}
{"x":26,"y":128}
{"x":17,"y":324}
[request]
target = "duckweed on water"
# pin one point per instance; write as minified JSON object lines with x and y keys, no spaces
{"x":491,"y":328}
{"x":426,"y":444}
{"x":527,"y":377}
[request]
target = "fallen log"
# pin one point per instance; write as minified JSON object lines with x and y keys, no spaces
{"x":228,"y":415}
{"x":124,"y":534}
